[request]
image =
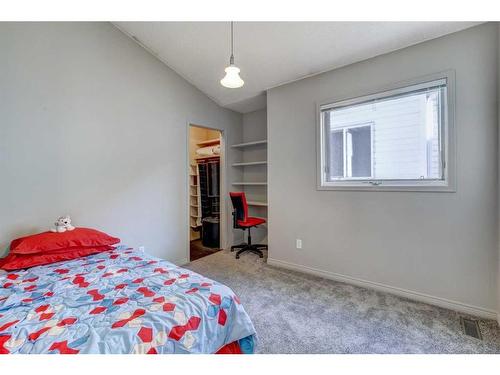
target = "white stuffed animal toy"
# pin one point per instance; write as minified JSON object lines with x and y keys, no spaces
{"x":62,"y":224}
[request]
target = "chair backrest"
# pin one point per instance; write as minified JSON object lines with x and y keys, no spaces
{"x":240,"y":206}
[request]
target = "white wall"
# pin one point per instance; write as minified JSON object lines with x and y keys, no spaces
{"x":438,"y":247}
{"x":94,"y":126}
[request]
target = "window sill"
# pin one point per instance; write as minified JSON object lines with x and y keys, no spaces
{"x":432,"y":188}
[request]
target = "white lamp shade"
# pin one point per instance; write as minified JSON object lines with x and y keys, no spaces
{"x":232,"y":79}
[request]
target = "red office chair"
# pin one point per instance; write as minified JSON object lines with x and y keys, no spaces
{"x":241,"y":220}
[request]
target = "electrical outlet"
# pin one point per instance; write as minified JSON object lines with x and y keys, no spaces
{"x":142,"y":248}
{"x":298,"y":243}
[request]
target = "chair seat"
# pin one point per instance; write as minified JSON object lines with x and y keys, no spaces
{"x":251,"y":222}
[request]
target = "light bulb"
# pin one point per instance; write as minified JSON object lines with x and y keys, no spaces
{"x":232,"y":79}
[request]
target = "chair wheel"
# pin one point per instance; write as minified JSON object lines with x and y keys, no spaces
{"x":237,"y":257}
{"x":261,"y":256}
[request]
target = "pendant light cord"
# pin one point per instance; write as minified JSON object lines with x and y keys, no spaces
{"x":231,"y":59}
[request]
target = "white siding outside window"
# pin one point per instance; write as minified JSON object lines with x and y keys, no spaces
{"x":397,"y":138}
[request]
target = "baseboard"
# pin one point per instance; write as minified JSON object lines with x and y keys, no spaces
{"x":417,"y":296}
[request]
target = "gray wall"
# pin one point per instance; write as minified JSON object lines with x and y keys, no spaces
{"x":438,"y":244}
{"x":498,"y":218}
{"x":94,"y":126}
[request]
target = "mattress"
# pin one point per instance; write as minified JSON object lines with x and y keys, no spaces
{"x":122,"y":301}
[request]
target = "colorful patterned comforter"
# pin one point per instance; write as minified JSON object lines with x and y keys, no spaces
{"x":122,"y":301}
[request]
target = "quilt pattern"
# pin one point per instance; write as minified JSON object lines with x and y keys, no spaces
{"x":121,"y":301}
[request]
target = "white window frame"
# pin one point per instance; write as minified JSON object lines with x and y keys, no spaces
{"x":447,"y":139}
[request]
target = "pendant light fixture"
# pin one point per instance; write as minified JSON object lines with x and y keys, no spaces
{"x":232,"y":79}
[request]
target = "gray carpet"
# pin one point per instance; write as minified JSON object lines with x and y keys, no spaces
{"x":297,"y":313}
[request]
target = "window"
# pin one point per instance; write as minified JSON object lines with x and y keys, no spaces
{"x":394,"y":139}
{"x":351,"y":155}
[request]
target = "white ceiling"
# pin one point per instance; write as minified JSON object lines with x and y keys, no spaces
{"x":270,"y":54}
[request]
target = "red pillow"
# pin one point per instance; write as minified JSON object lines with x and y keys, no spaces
{"x":19,"y":261}
{"x":49,"y":241}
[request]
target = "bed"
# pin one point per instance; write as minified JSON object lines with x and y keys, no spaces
{"x":119,"y":301}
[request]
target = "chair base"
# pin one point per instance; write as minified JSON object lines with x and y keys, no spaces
{"x":256,"y":249}
{"x":249,"y":246}
{"x":240,"y":246}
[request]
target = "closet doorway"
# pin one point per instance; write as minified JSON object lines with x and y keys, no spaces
{"x":205,"y":189}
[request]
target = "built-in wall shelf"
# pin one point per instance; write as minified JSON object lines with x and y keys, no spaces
{"x":249,"y":166}
{"x":214,"y":157}
{"x":244,"y":164}
{"x":251,"y":183}
{"x":256,"y":203}
{"x":249,"y":144}
{"x":209,"y":142}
